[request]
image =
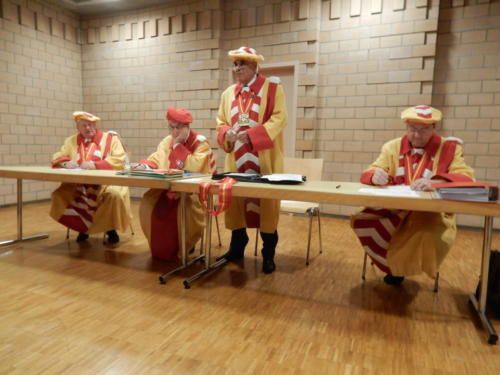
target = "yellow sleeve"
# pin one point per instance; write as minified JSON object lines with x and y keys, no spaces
{"x":155,"y":157}
{"x":199,"y":160}
{"x":279,"y":118}
{"x":116,"y":155}
{"x":66,"y":153}
{"x":388,"y":158}
{"x":223,"y":122}
{"x":458,"y":164}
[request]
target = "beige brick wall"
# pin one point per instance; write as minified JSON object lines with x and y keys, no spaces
{"x":467,"y":84}
{"x":375,"y":59}
{"x":40,"y":86}
{"x":359,"y":64}
{"x":163,"y":56}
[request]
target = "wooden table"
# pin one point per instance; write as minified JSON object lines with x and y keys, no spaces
{"x":76,"y":176}
{"x":342,"y":193}
{"x":97,"y":177}
{"x":347,"y":193}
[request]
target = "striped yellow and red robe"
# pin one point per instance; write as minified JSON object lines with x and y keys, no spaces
{"x":159,"y":211}
{"x":406,"y":243}
{"x":92,"y":208}
{"x":263,"y":103}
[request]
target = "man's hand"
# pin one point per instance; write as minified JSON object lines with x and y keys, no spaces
{"x":243,"y":137}
{"x":422,"y":184}
{"x":182,"y":136}
{"x":380,"y":177}
{"x":137,"y":166}
{"x":70,"y":164}
{"x":88,"y":165}
{"x":230,"y":136}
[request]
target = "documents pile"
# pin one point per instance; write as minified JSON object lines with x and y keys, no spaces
{"x":157,"y":173}
{"x":467,"y":191}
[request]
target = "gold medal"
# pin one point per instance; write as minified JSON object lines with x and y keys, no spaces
{"x":243,"y":119}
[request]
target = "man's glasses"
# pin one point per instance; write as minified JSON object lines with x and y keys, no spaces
{"x":424,"y":130}
{"x":176,"y":127}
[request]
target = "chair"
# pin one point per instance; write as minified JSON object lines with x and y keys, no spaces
{"x":436,"y":280}
{"x":313,"y":170}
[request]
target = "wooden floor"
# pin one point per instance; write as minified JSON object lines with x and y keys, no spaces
{"x":68,"y":308}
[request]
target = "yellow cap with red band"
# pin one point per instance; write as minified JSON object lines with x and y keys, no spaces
{"x":423,"y":114}
{"x":86,"y":116}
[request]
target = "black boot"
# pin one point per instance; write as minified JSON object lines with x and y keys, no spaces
{"x":270,"y":241}
{"x":82,"y":237}
{"x":113,"y":236}
{"x":239,"y":240}
{"x":393,"y":280}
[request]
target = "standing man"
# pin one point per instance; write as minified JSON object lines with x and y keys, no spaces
{"x":86,"y":208}
{"x":250,"y":121}
{"x":404,"y":243}
{"x":183,"y":149}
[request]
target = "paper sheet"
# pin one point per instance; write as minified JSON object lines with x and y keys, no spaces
{"x":391,"y":191}
{"x":283,"y":177}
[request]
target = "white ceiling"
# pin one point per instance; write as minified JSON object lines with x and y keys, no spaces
{"x":93,"y":7}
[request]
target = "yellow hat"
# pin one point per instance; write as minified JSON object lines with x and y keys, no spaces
{"x":423,"y":114}
{"x":86,"y":116}
{"x":245,"y":53}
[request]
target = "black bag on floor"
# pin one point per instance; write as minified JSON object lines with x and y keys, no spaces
{"x":493,"y":301}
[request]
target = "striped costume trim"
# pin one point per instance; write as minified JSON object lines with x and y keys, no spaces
{"x":375,"y":227}
{"x":224,"y":195}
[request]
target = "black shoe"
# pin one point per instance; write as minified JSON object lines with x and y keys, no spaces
{"x":113,"y":236}
{"x":393,"y":280}
{"x":82,"y":237}
{"x":268,"y":266}
{"x":231,"y":256}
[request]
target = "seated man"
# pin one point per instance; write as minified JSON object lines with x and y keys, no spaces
{"x":86,"y":208}
{"x":403,"y":243}
{"x":182,"y":149}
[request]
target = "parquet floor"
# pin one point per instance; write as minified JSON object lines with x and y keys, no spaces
{"x":68,"y":308}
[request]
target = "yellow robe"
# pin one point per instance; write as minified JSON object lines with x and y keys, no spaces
{"x":198,"y":161}
{"x":113,"y":202}
{"x":423,"y":239}
{"x":270,"y":160}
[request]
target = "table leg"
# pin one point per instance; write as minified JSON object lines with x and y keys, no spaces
{"x":208,"y":250}
{"x":20,"y":220}
{"x":185,"y":262}
{"x":480,"y":306}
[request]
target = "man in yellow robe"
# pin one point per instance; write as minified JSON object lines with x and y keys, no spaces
{"x":250,"y":121}
{"x":404,"y":243}
{"x":183,"y":149}
{"x":85,"y":208}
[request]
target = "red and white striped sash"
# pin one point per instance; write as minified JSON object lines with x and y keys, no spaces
{"x":375,"y":227}
{"x":79,"y":214}
{"x":247,"y":104}
{"x":224,"y":195}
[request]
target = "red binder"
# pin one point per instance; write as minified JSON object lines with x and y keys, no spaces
{"x":473,"y":191}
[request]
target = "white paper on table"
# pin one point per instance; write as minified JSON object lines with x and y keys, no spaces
{"x":194,"y":179}
{"x":283,"y":177}
{"x":391,"y":191}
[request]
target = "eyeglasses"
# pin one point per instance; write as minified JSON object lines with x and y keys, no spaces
{"x":241,"y":63}
{"x":425,"y":130}
{"x":176,"y":127}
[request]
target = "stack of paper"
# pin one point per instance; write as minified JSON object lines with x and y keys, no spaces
{"x":158,"y":173}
